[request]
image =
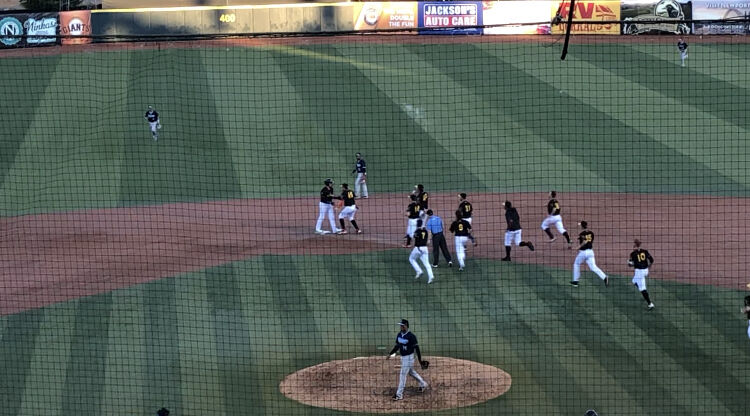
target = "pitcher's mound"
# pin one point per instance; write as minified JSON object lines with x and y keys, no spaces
{"x":366,"y":384}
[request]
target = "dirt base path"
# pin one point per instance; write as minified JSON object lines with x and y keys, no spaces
{"x":51,"y":258}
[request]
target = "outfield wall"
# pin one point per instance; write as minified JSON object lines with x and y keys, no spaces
{"x":601,"y":17}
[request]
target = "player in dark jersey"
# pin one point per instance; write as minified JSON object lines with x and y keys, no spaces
{"x":462,"y":230}
{"x":640,"y":259}
{"x":682,"y":46}
{"x":152,"y":117}
{"x":421,"y":252}
{"x":554,"y":218}
{"x":350,"y":208}
{"x":412,"y":215}
{"x":467,"y":210}
{"x":406,"y":346}
{"x":423,"y":199}
{"x":514,"y":231}
{"x":586,"y":253}
{"x":325,"y":208}
{"x":360,"y":181}
{"x":746,"y":311}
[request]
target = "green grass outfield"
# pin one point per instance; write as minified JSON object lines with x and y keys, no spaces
{"x":275,"y":121}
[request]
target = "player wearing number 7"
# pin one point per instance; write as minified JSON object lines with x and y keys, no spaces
{"x":641,"y":260}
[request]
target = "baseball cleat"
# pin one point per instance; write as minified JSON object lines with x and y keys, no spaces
{"x":460,"y":269}
{"x":417,"y":276}
{"x":424,"y":388}
{"x":430,"y":281}
{"x":574,"y":283}
{"x":343,"y":232}
{"x":530,"y":246}
{"x":552,"y":240}
{"x":606,"y":281}
{"x":450,"y":264}
{"x":650,"y":307}
{"x":396,"y":397}
{"x":434,"y":266}
{"x":359,"y":231}
{"x":405,"y":245}
{"x":319,"y":232}
{"x":505,"y":259}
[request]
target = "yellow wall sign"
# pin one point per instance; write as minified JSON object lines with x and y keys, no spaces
{"x":588,"y":14}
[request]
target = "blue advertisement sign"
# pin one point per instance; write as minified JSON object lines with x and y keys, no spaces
{"x":450,"y":18}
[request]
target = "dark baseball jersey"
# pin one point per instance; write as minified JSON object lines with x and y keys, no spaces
{"x":326,"y":195}
{"x":460,"y":228}
{"x":553,"y":207}
{"x":465,"y":208}
{"x":413,"y":210}
{"x":423,"y":199}
{"x":360,"y":166}
{"x":152,"y":116}
{"x":513,"y":220}
{"x":586,"y":239}
{"x":420,"y":237}
{"x":641,"y":259}
{"x":406,"y":342}
{"x":682,"y":46}
{"x":748,"y":315}
{"x":348,"y":196}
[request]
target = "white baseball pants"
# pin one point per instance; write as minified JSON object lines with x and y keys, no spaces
{"x":407,"y":368}
{"x":555,"y":220}
{"x":423,"y":254}
{"x":461,"y":249}
{"x":360,"y":184}
{"x":411,"y":226}
{"x":588,"y":257}
{"x":513,"y":237}
{"x":325,"y":210}
{"x":639,"y":279}
{"x":348,"y":213}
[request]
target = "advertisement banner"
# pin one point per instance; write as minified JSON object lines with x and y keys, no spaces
{"x":590,"y":12}
{"x":517,"y":17}
{"x":450,"y":18}
{"x":74,"y":25}
{"x":387,"y":15}
{"x":716,"y":10}
{"x":28,"y":29}
{"x":671,"y":15}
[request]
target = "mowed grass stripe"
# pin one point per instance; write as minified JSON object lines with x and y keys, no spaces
{"x":88,"y":355}
{"x":608,"y":145}
{"x":723,"y":100}
{"x":231,"y":340}
{"x":202,"y":381}
{"x":191,"y":161}
{"x":588,"y":83}
{"x":476,"y":136}
{"x":162,"y":378}
{"x":338,"y":96}
{"x":125,"y":376}
{"x":725,"y":315}
{"x":17,"y":348}
{"x":26,"y":83}
{"x":588,"y":317}
{"x":46,"y":377}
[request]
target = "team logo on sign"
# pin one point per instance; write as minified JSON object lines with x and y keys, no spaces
{"x":75,"y":26}
{"x":10,"y":31}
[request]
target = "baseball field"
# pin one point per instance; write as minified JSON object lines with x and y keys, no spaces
{"x":185,"y":272}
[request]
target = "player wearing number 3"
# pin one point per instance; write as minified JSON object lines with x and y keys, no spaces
{"x":641,"y":260}
{"x":586,"y":253}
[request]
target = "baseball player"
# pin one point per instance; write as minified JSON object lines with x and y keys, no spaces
{"x":152,"y":117}
{"x":554,"y":218}
{"x":746,"y":311}
{"x":641,"y":260}
{"x":513,"y":233}
{"x":406,"y":346}
{"x":325,"y":208}
{"x":462,"y":230}
{"x":350,"y":208}
{"x":435,"y":227}
{"x":586,"y":253}
{"x":412,"y":215}
{"x":682,"y":46}
{"x":360,"y":182}
{"x":466,"y":210}
{"x":421,"y":252}
{"x":423,"y":199}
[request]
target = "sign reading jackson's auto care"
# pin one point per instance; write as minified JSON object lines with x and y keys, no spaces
{"x":453,"y":17}
{"x":588,"y":13}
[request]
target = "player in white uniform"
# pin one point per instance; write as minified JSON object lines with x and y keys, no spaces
{"x":746,"y":311}
{"x":421,"y":252}
{"x":586,"y":254}
{"x":349,"y":209}
{"x":554,"y":218}
{"x":462,"y":230}
{"x":152,"y":117}
{"x":640,"y":259}
{"x":325,"y":209}
{"x":412,"y":215}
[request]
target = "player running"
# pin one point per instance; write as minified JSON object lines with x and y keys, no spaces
{"x":350,"y":208}
{"x":586,"y":253}
{"x":421,"y":252}
{"x":152,"y":117}
{"x":462,"y":230}
{"x":513,"y":233}
{"x":641,"y":260}
{"x":554,"y":218}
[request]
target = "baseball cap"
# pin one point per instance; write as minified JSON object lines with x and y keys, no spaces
{"x":404,"y":322}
